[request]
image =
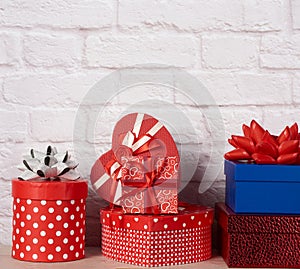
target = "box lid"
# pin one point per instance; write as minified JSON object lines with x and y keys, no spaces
{"x":189,"y":216}
{"x":50,"y":190}
{"x":248,"y":223}
{"x":262,"y":172}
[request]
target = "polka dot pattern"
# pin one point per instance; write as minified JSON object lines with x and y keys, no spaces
{"x":168,"y":241}
{"x":41,"y":230}
{"x":167,"y":248}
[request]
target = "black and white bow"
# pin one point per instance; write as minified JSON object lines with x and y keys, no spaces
{"x":49,"y":166}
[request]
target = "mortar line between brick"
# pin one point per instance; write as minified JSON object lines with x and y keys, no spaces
{"x":289,"y":17}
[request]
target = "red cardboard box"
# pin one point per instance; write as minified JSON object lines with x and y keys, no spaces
{"x":156,"y":240}
{"x":165,"y":195}
{"x":142,"y":164}
{"x":258,"y":240}
{"x":48,"y":220}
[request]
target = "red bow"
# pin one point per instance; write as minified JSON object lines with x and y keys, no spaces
{"x":259,"y":146}
{"x":147,"y":171}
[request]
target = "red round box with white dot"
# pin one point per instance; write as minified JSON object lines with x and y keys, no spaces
{"x":158,"y":240}
{"x":48,"y":220}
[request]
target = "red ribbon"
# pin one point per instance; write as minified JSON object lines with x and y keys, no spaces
{"x":152,"y":151}
{"x":259,"y":146}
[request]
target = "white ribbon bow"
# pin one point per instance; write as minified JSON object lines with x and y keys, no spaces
{"x":52,"y":165}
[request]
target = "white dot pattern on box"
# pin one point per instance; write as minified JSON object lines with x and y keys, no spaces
{"x":48,"y":231}
{"x":157,"y":240}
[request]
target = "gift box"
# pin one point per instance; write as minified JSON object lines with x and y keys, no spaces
{"x":263,"y":172}
{"x":49,"y":205}
{"x":247,"y":240}
{"x":157,"y":240}
{"x":253,"y":188}
{"x":48,"y":220}
{"x":141,"y":171}
{"x":133,"y":176}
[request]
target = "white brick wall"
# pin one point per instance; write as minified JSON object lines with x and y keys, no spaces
{"x":192,"y":15}
{"x":229,"y":51}
{"x":13,"y":125}
{"x":10,"y":48}
{"x":296,"y":14}
{"x":48,"y":89}
{"x":57,"y":14}
{"x":122,"y":50}
{"x":266,"y":15}
{"x":49,"y":50}
{"x":246,"y":54}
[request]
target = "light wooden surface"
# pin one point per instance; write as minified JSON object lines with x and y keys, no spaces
{"x":94,"y":260}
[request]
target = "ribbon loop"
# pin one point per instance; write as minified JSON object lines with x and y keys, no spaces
{"x":128,"y":140}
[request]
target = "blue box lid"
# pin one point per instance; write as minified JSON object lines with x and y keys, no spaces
{"x":262,"y":172}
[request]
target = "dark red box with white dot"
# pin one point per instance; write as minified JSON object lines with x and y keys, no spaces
{"x":48,"y":220}
{"x":258,"y":240}
{"x":157,"y":240}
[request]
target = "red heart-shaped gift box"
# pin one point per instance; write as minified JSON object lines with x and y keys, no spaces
{"x":141,"y":171}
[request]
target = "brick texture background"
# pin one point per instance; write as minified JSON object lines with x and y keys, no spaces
{"x":246,"y":53}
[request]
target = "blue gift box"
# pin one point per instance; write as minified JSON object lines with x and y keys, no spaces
{"x":262,"y":188}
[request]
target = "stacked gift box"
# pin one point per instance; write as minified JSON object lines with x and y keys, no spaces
{"x":259,"y":224}
{"x":49,"y":209}
{"x":145,"y":224}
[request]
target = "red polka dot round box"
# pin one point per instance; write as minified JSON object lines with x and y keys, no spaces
{"x":48,"y":220}
{"x":157,"y":240}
